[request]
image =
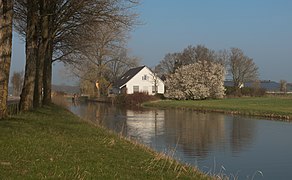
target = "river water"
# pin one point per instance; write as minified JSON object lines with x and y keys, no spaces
{"x":237,"y":146}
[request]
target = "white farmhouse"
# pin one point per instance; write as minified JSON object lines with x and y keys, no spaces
{"x":140,"y":79}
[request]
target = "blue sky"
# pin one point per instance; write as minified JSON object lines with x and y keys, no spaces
{"x":261,"y":28}
{"x":18,"y":63}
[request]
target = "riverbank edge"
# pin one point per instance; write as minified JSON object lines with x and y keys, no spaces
{"x":52,"y":142}
{"x":248,"y":113}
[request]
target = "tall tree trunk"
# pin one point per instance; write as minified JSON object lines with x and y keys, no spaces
{"x":47,"y":73}
{"x":26,"y":97}
{"x":42,"y":51}
{"x":6,"y":15}
{"x":37,"y":84}
{"x":47,"y":78}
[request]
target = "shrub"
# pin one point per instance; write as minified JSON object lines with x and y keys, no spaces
{"x":245,"y":91}
{"x":134,"y":99}
{"x":230,"y":91}
{"x":120,"y":99}
{"x":159,"y":96}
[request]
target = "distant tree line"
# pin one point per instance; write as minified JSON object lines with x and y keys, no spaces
{"x":17,"y":82}
{"x":53,"y":30}
{"x":234,"y":62}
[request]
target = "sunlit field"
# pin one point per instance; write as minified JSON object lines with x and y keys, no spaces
{"x":272,"y":107}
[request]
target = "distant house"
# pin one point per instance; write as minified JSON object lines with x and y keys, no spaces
{"x":270,"y":86}
{"x":140,"y":79}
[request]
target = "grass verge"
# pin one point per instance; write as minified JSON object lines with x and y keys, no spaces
{"x":53,"y":143}
{"x":271,"y":107}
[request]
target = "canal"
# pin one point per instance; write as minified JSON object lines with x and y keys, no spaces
{"x":236,"y":146}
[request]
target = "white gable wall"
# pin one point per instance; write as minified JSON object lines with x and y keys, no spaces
{"x":145,"y":85}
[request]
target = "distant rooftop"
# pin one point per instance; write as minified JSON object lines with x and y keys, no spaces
{"x":266,"y":84}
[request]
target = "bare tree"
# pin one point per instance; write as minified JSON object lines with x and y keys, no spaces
{"x":6,"y":15}
{"x":283,"y":86}
{"x":155,"y":79}
{"x":87,"y":87}
{"x":48,"y":27}
{"x":39,"y":22}
{"x":102,"y":31}
{"x":168,"y":64}
{"x":120,"y":64}
{"x":241,"y":68}
{"x":103,"y":52}
{"x":193,"y":54}
{"x":189,"y":55}
{"x":17,"y":82}
{"x":112,"y":68}
{"x":202,"y":53}
{"x":222,"y":57}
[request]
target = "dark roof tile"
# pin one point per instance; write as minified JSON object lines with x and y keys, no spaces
{"x":127,"y":76}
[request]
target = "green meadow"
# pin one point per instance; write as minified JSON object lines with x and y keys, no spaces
{"x":53,"y":143}
{"x":279,"y":107}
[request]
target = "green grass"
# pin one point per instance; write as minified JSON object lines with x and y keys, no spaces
{"x":272,"y":107}
{"x":53,"y":143}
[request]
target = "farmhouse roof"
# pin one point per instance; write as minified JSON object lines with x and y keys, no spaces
{"x":127,"y":76}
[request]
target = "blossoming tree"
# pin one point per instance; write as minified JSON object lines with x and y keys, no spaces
{"x":201,"y":80}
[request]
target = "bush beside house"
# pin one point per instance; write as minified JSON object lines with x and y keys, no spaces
{"x":134,"y":99}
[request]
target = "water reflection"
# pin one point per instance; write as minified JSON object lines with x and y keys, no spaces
{"x":194,"y":134}
{"x":197,"y":138}
{"x":242,"y":133}
{"x":144,"y":125}
{"x":105,"y":115}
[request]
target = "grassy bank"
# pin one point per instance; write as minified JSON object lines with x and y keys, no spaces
{"x":272,"y":107}
{"x":53,"y":143}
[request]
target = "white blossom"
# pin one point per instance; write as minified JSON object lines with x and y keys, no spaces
{"x":201,"y":80}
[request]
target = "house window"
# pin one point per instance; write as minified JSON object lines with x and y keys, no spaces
{"x":135,"y":89}
{"x":145,"y":77}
